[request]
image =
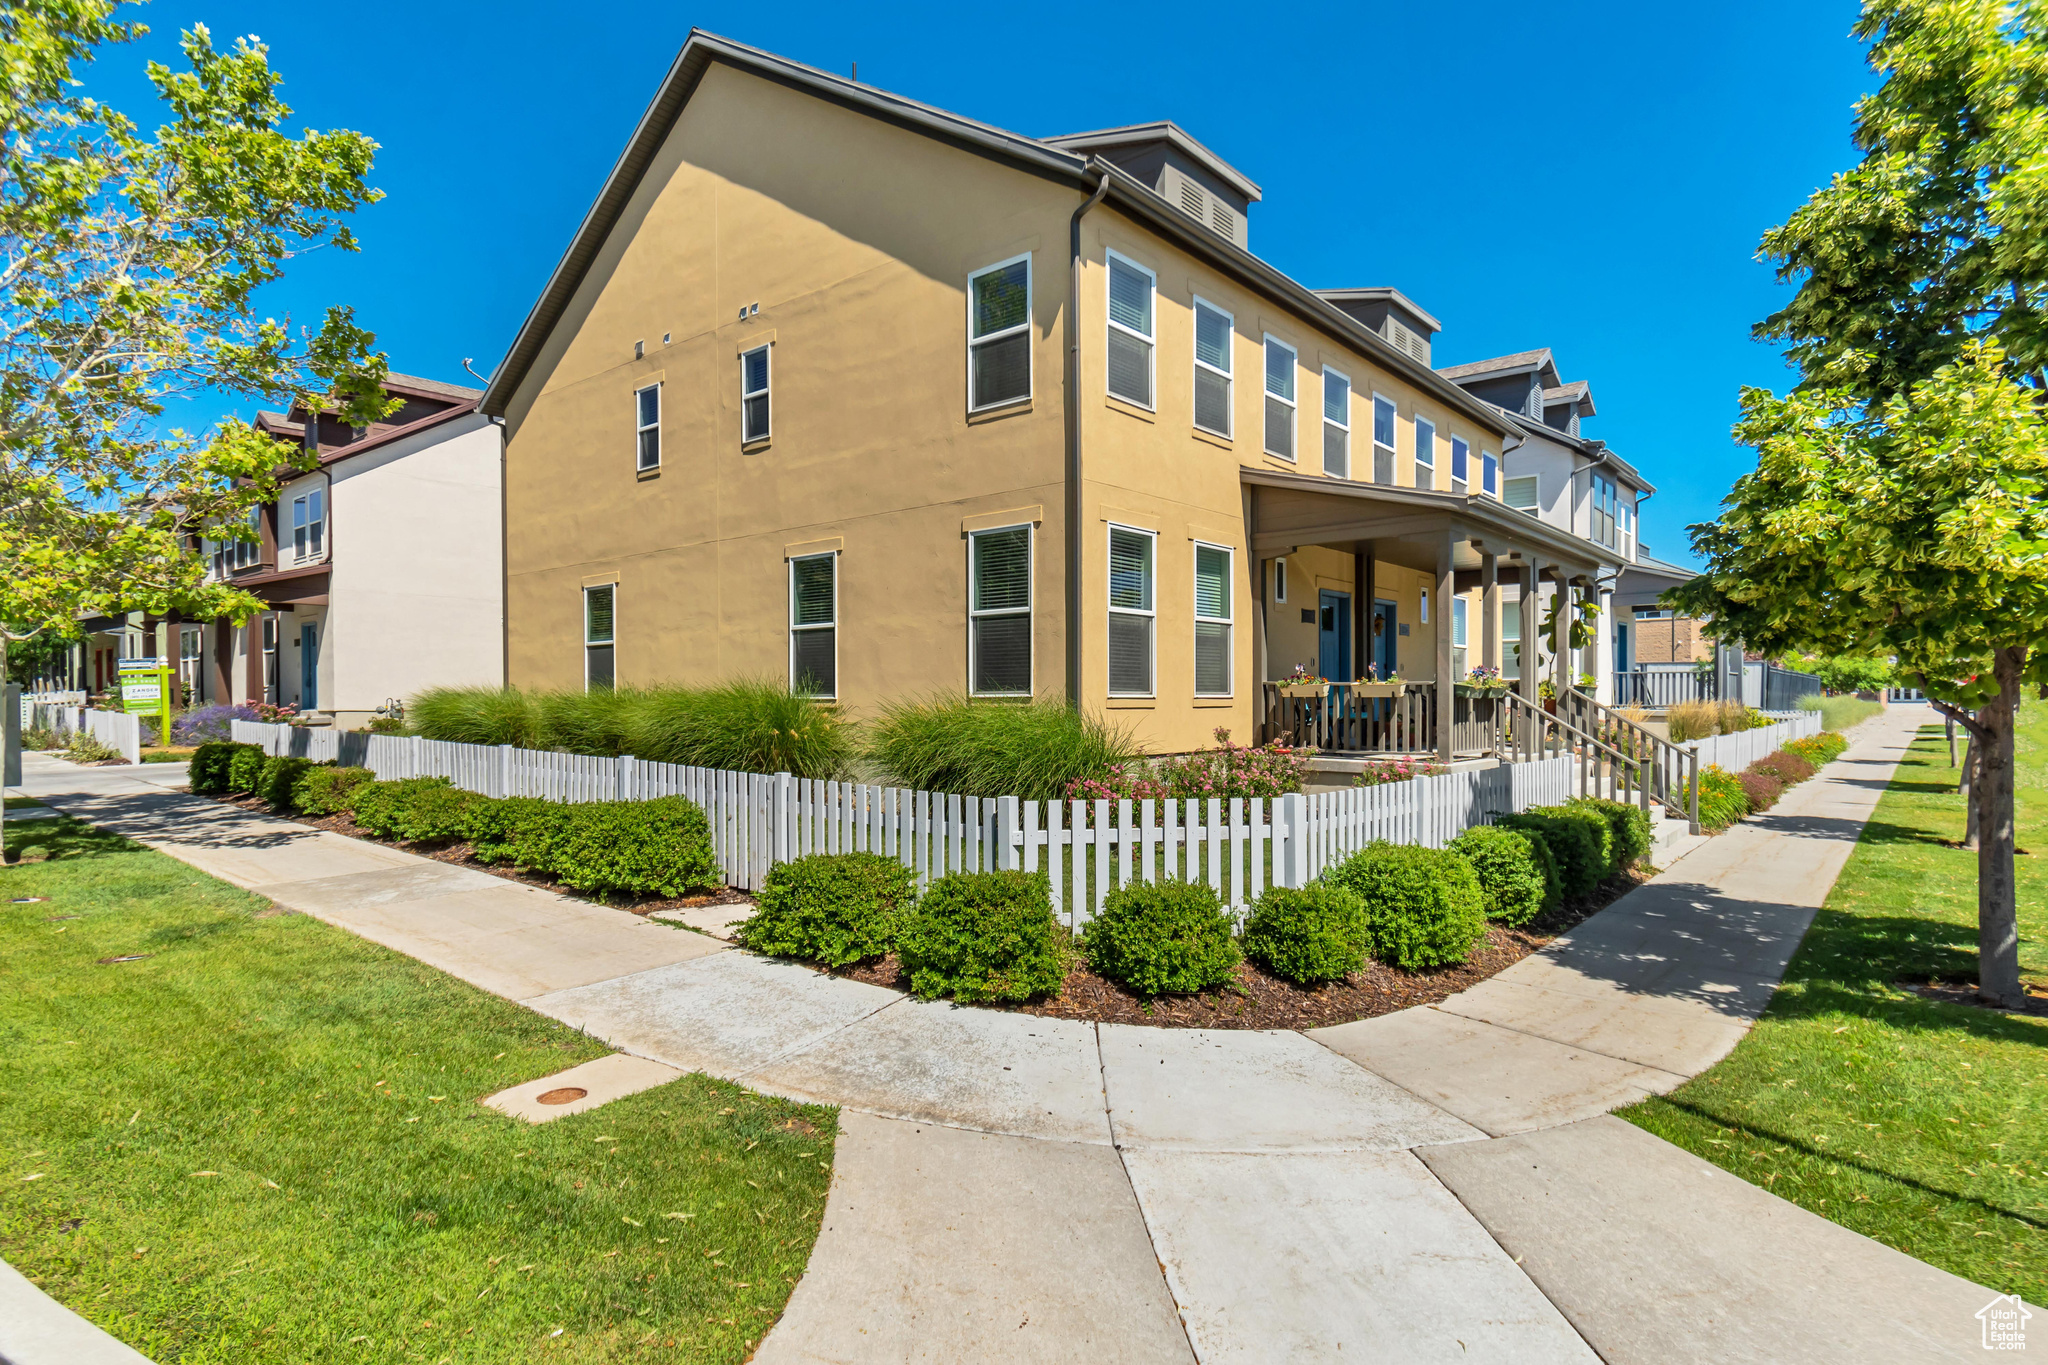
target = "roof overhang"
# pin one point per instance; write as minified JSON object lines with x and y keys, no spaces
{"x":1165,"y":131}
{"x":1381,"y":294}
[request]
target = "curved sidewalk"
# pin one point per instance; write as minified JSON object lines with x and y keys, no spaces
{"x":1438,"y":1184}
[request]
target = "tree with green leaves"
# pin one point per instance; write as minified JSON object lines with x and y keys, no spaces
{"x":1915,"y":527}
{"x":129,"y":269}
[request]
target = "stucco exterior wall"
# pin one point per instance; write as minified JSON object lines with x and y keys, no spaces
{"x":414,"y":543}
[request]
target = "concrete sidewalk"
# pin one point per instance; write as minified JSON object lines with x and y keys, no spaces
{"x":1437,"y":1184}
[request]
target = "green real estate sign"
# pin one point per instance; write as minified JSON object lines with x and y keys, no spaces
{"x":146,"y":691}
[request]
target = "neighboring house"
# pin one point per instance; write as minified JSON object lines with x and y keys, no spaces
{"x":1650,"y":632}
{"x":381,"y":567}
{"x":842,"y":389}
{"x":1557,"y":475}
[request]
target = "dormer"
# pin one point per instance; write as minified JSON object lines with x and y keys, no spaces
{"x":1179,"y":169}
{"x":1516,"y":382}
{"x":1392,"y":314}
{"x":1565,"y":405}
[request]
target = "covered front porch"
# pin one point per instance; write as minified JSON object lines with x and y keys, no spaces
{"x":1391,"y":598}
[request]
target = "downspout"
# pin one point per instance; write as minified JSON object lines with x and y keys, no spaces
{"x":1073,"y":414}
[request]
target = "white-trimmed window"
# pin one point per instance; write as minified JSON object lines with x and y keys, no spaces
{"x":1213,"y":331}
{"x":1425,"y":606}
{"x":647,"y":425}
{"x":999,"y":611}
{"x":1489,"y":470}
{"x":814,"y":625}
{"x":1626,"y":516}
{"x":1461,"y":464}
{"x":1601,"y":517}
{"x":1280,"y":359}
{"x":309,"y":525}
{"x":1212,"y":620}
{"x":1511,"y":641}
{"x":1131,"y":287}
{"x":1425,"y":454}
{"x":600,"y":635}
{"x":1382,"y":439}
{"x":1336,"y":424}
{"x":1131,"y":614}
{"x":999,"y":334}
{"x":1460,"y":610}
{"x":754,"y":406}
{"x":1280,"y":579}
{"x":1521,"y":494}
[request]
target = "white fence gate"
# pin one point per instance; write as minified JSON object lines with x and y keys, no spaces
{"x":111,"y":728}
{"x":1737,"y":751}
{"x":1086,"y":848}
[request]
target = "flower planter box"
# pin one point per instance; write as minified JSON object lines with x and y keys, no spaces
{"x":1479,"y":690}
{"x":1303,"y":690}
{"x":1378,"y":689}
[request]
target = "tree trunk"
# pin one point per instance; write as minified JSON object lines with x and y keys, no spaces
{"x":10,"y":856}
{"x":1967,"y":784}
{"x":1951,"y":720}
{"x":1998,"y":940}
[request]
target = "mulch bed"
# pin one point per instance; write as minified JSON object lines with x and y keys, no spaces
{"x":1965,"y":993}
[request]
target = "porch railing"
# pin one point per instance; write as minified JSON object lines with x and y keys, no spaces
{"x":1658,"y":688}
{"x":1615,"y":758}
{"x":1335,"y":718}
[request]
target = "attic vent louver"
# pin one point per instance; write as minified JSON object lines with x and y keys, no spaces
{"x":1197,"y":202}
{"x":1192,"y":200}
{"x":1408,"y":340}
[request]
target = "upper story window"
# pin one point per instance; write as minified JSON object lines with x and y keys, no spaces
{"x":1601,"y":525}
{"x":999,"y":611}
{"x":309,"y":525}
{"x":999,"y":334}
{"x":243,"y":553}
{"x":647,"y":426}
{"x":1280,"y":579}
{"x":1425,"y":454}
{"x":1213,"y":330}
{"x":599,"y":635}
{"x":814,"y":625}
{"x":1382,"y":439}
{"x":1130,"y":331}
{"x":1461,"y":459}
{"x":1626,"y":517}
{"x":1212,"y":621}
{"x":1279,"y":398}
{"x":1130,"y":612}
{"x":1489,"y":473}
{"x":1336,"y":425}
{"x":1522,"y":494}
{"x":754,"y":412}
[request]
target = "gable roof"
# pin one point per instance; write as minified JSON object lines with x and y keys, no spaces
{"x":1383,"y":294}
{"x":1521,"y":362}
{"x":1124,"y":191}
{"x":1164,"y":131}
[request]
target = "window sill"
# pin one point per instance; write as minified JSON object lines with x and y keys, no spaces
{"x":1016,"y":407}
{"x":643,"y":475}
{"x":1129,"y":409}
{"x":756,"y":447}
{"x":1212,"y":438}
{"x":1215,"y":701}
{"x":1132,"y":703}
{"x":1281,"y":460}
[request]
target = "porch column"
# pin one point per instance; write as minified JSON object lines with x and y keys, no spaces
{"x":252,"y":670}
{"x":1489,"y":609}
{"x":1446,"y":694}
{"x":223,"y":661}
{"x":1603,"y":649}
{"x":1560,"y":638}
{"x":1532,"y":589}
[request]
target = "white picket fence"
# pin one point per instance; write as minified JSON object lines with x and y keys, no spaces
{"x":1239,"y":846}
{"x":111,"y":728}
{"x":1737,"y":751}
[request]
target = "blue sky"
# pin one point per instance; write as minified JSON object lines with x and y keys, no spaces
{"x":1590,"y":177}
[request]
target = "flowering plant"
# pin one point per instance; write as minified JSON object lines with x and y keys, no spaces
{"x":1302,"y":675}
{"x":1229,"y":770}
{"x":1383,"y":771}
{"x":208,"y":724}
{"x":1372,"y":674}
{"x":1484,"y":675}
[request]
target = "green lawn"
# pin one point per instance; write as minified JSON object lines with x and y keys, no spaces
{"x":261,"y":1142}
{"x":1921,"y":1124}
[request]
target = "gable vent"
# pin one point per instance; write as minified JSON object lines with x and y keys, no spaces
{"x":1407,"y":339}
{"x":1191,"y":198}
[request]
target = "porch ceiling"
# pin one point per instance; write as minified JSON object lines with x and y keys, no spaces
{"x":1405,"y":526}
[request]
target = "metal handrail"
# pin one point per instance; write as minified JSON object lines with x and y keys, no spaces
{"x":1688,"y":761}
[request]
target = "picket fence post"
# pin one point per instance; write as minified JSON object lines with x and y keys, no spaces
{"x":1009,"y":833}
{"x":622,"y":768}
{"x":783,"y":814}
{"x":504,"y":770}
{"x":1290,"y":863}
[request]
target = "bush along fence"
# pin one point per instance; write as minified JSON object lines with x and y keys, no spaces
{"x":1086,"y":848}
{"x":111,"y":728}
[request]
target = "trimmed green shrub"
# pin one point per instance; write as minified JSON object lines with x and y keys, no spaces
{"x":209,"y":770}
{"x":383,"y":808}
{"x":1722,"y":800}
{"x":1512,"y":879}
{"x":834,"y":908}
{"x":325,"y":789}
{"x":277,"y":779}
{"x":1307,"y":934}
{"x":984,"y":936}
{"x":636,"y":848}
{"x":436,"y":812}
{"x":1029,"y":749}
{"x":1628,"y":831}
{"x":245,"y":768}
{"x":1578,"y":844}
{"x":1162,"y":938}
{"x":519,"y":830}
{"x":1423,"y":906}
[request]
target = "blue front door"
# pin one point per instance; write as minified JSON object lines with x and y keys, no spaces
{"x":1334,"y":658}
{"x":309,"y":666}
{"x":1385,"y":652}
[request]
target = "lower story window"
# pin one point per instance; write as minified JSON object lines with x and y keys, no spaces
{"x":1459,"y":647}
{"x":999,"y":611}
{"x":1511,"y":641}
{"x":1131,"y":614}
{"x":1212,"y":621}
{"x":598,"y":635}
{"x":814,"y":625}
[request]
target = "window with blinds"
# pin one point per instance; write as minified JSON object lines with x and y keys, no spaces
{"x":1521,"y":494}
{"x":1382,"y":440}
{"x":814,"y":625}
{"x":999,"y":611}
{"x":1461,"y":461}
{"x":1336,"y":425}
{"x":309,"y":526}
{"x":599,"y":635}
{"x":1425,"y":454}
{"x":1279,"y":398}
{"x":1131,"y":614}
{"x":1212,"y":621}
{"x":754,"y":395}
{"x":999,"y":334}
{"x":1212,"y":368}
{"x":1601,"y":526}
{"x":1460,"y":611}
{"x":647,"y":426}
{"x":1130,"y":331}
